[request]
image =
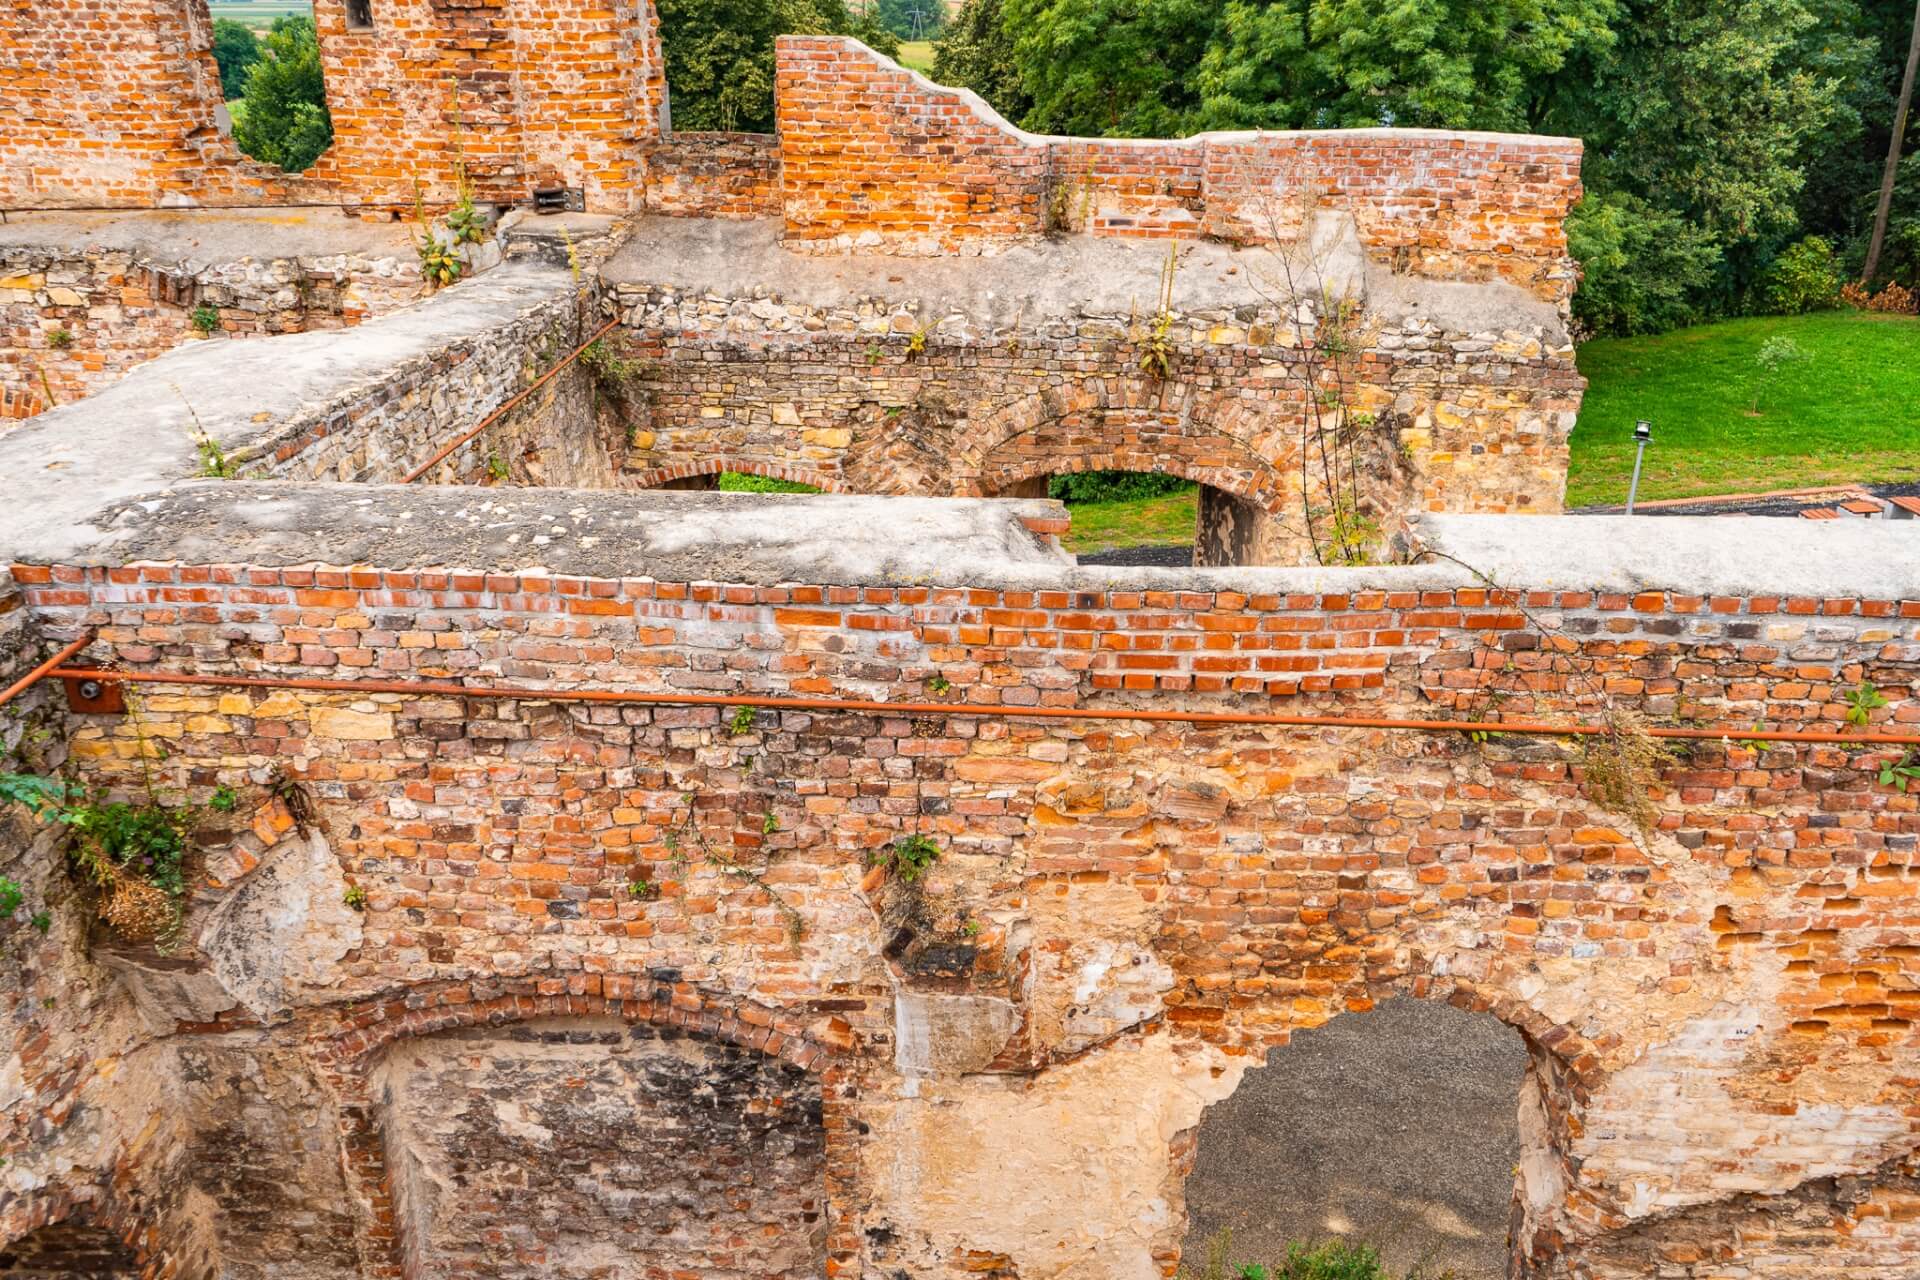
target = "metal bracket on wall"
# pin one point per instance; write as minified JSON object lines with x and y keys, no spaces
{"x":95,"y":697}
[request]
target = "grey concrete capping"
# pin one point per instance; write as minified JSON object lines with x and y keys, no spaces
{"x":1022,"y":287}
{"x":197,"y":238}
{"x":891,"y":541}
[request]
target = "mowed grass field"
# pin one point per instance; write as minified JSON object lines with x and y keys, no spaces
{"x":1850,"y":411}
{"x":917,"y":54}
{"x":260,"y":13}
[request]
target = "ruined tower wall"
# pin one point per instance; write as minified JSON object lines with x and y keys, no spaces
{"x":114,"y":105}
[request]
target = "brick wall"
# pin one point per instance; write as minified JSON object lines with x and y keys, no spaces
{"x":872,"y":154}
{"x":1753,"y":955}
{"x":876,"y":156}
{"x":564,"y":93}
{"x":714,"y":175}
{"x":105,"y":103}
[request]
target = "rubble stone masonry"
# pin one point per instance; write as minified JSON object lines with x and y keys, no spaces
{"x":1124,"y":915}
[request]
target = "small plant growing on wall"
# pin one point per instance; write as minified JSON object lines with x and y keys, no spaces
{"x":355,"y":898}
{"x":204,"y":319}
{"x":744,"y":718}
{"x":130,"y":854}
{"x":1862,"y":701}
{"x":497,"y":470}
{"x":1901,"y":772}
{"x":60,"y":339}
{"x":908,"y":857}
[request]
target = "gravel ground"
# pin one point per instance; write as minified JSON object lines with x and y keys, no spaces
{"x":1163,"y":557}
{"x":1395,"y":1127}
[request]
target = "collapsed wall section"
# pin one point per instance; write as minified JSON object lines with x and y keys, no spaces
{"x":76,"y":317}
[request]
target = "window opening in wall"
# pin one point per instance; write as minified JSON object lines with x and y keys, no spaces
{"x":1122,"y":517}
{"x":1396,"y":1130}
{"x":720,"y":57}
{"x":271,"y":77}
{"x":737,"y":482}
{"x":359,"y":15}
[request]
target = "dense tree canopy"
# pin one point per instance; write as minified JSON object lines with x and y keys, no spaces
{"x":1718,"y":132}
{"x":720,"y":54}
{"x":282,"y":119}
{"x":235,"y":49}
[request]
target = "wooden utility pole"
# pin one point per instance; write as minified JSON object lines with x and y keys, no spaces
{"x":1900,"y":110}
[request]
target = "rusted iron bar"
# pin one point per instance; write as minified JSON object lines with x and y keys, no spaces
{"x":447,"y":689}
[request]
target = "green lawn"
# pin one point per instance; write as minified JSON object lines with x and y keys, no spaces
{"x":1849,"y":412}
{"x":1103,"y":526}
{"x":917,"y":54}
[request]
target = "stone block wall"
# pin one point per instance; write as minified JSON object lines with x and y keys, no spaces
{"x":1123,"y":914}
{"x":838,"y":397}
{"x":75,"y":320}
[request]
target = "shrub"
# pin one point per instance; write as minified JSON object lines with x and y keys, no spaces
{"x":1641,"y":267}
{"x":284,"y":119}
{"x":1114,"y":486}
{"x":1805,"y":277}
{"x":742,"y":482}
{"x":204,"y":319}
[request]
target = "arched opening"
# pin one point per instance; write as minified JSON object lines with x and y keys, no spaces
{"x":68,"y":1251}
{"x":271,"y":79}
{"x":731,"y":476}
{"x":1399,"y":1130}
{"x":598,"y":1146}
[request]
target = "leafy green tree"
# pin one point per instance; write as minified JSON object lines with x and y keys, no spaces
{"x":976,"y":51}
{"x":719,"y":54}
{"x":1459,"y":64}
{"x":1120,"y":68}
{"x":235,"y":49}
{"x":284,"y":118}
{"x":1711,"y":111}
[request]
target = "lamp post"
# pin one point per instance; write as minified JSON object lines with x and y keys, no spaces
{"x":1642,"y":432}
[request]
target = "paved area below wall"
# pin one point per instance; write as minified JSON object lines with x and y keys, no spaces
{"x":207,"y":236}
{"x":1396,"y":1127}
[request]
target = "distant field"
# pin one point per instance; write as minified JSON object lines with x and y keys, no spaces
{"x":260,"y":13}
{"x":917,"y":54}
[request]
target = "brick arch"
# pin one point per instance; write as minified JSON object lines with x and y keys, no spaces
{"x":1227,"y":441}
{"x":654,"y":478}
{"x":352,"y":1053}
{"x":95,"y":1211}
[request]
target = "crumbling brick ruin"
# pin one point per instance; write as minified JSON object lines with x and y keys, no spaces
{"x":592,"y":878}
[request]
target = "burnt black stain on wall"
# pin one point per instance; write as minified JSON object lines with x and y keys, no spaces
{"x":556,"y":1148}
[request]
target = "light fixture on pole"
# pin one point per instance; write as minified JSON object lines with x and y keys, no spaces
{"x":1642,"y":432}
